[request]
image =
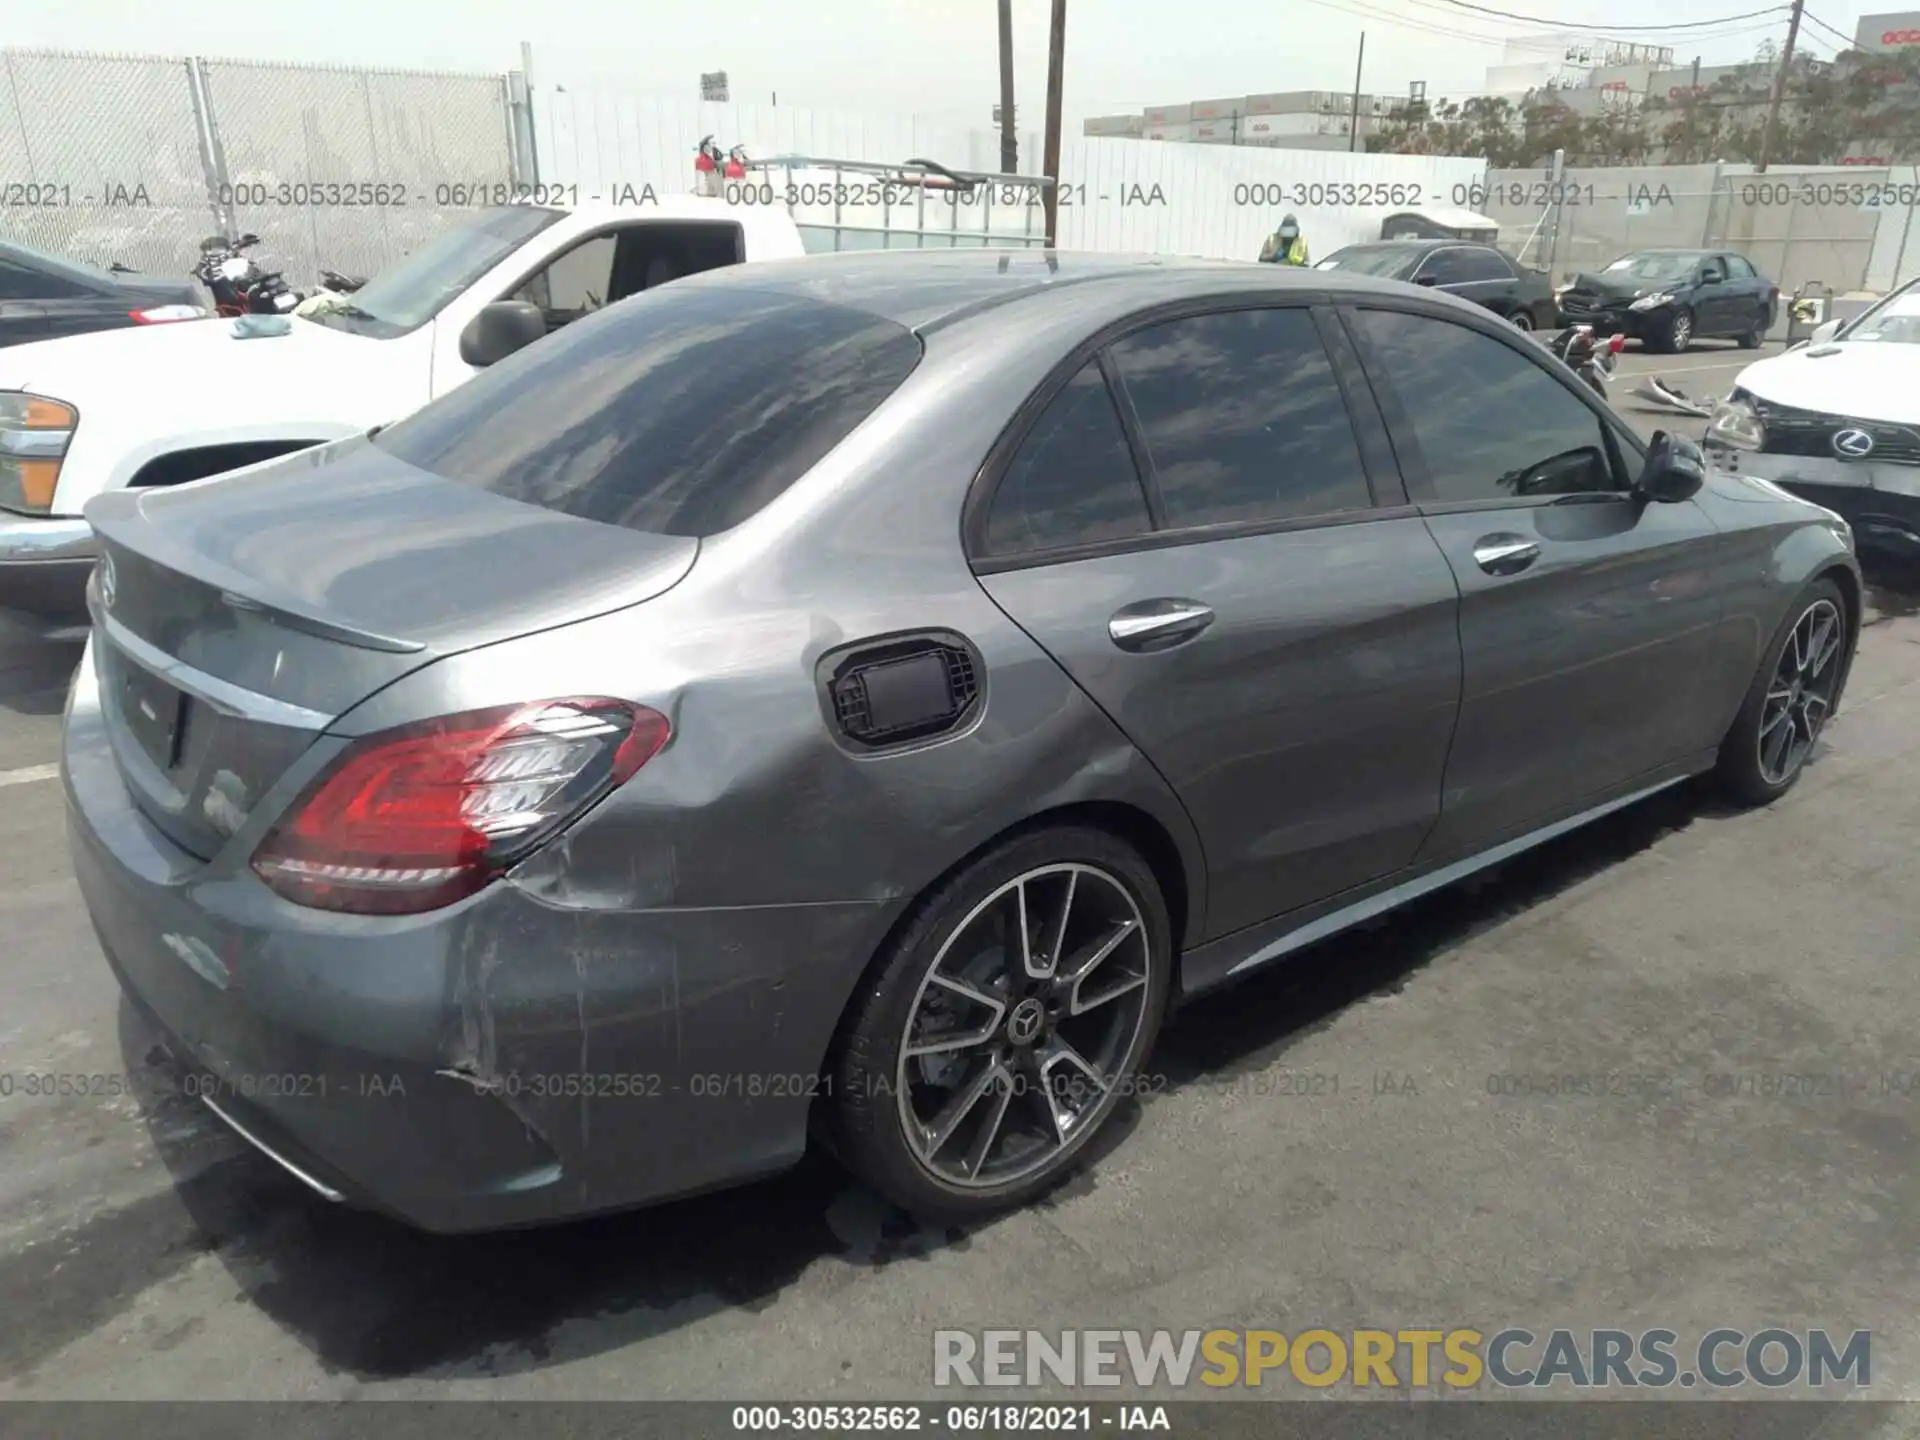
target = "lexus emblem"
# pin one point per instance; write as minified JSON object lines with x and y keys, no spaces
{"x":1853,"y":444}
{"x":109,"y":582}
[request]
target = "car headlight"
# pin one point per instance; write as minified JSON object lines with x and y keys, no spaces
{"x":1653,"y":301}
{"x":34,"y":435}
{"x":1736,"y":425}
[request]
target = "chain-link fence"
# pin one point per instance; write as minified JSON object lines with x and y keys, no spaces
{"x":350,"y":169}
{"x":101,"y":159}
{"x":1844,"y":227}
{"x":132,"y":160}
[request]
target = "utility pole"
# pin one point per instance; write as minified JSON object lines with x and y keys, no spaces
{"x":1056,"y":69}
{"x":1009,"y":135}
{"x":1353,"y":133}
{"x":1779,"y":89}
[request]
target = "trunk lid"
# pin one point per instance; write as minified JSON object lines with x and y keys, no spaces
{"x":237,"y":618}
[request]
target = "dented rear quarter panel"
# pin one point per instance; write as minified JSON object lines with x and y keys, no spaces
{"x":713,"y":916}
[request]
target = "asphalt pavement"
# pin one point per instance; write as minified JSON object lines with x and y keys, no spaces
{"x":1364,"y":1138}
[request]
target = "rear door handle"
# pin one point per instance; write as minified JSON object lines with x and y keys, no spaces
{"x":1158,"y":624}
{"x":1505,"y":554}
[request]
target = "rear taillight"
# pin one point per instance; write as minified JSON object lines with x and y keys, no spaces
{"x":165,"y":314}
{"x":1616,"y":344}
{"x":416,"y":818}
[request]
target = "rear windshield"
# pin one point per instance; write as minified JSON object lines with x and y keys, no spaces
{"x":1383,"y":260}
{"x":680,"y":412}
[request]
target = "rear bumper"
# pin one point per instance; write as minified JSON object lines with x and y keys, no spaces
{"x":1880,"y":502}
{"x":503,"y":1062}
{"x":44,"y":564}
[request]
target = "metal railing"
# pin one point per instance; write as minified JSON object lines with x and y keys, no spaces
{"x":842,"y":205}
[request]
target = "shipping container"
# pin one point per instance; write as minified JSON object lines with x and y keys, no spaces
{"x":1288,"y":102}
{"x":1219,"y":109}
{"x":1176,"y":131}
{"x":1120,"y":125}
{"x":1305,"y":122}
{"x":1168,"y":115}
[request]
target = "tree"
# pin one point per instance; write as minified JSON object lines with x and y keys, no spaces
{"x":1828,"y":111}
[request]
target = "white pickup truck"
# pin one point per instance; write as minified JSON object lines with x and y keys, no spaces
{"x":161,"y":404}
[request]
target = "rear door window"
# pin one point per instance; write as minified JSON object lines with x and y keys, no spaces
{"x":1073,"y":481}
{"x":681,"y":413}
{"x":1480,"y":264}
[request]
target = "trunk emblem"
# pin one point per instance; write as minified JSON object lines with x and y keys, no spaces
{"x":1852,"y":444}
{"x":109,"y":582}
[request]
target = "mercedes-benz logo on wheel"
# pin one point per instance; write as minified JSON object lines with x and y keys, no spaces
{"x":1023,"y":1026}
{"x":109,"y":582}
{"x":1852,"y":444}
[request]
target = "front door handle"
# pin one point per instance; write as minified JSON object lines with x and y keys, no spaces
{"x":1505,"y":554}
{"x":1158,"y":624}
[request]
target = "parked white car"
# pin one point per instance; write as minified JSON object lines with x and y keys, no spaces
{"x":1837,"y":421}
{"x":159,"y":405}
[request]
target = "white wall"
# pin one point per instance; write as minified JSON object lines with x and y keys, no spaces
{"x":598,"y":140}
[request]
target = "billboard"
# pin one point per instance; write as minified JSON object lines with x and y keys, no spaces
{"x":1883,"y":33}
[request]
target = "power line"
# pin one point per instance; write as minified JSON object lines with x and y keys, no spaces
{"x":1579,"y":26}
{"x":1421,"y":23}
{"x":1596,"y":30}
{"x":1845,"y":39}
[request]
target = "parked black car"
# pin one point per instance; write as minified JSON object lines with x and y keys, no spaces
{"x":1666,"y":299}
{"x":43,"y":296}
{"x":1472,"y":271}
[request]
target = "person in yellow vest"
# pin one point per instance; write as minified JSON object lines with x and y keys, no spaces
{"x":1285,"y":246}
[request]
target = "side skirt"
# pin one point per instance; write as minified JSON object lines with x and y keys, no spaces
{"x":1233,"y":956}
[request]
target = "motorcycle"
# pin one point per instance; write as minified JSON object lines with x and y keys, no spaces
{"x":1590,"y":359}
{"x":237,"y":284}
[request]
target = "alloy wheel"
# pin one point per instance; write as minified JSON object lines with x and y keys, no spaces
{"x":1800,"y":695}
{"x":1024,"y":1026}
{"x":1682,"y":331}
{"x":1521,"y":320}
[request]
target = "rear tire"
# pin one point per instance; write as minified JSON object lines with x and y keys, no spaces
{"x":1755,"y":337}
{"x":1017,"y":1030}
{"x":1794,"y":693}
{"x":1521,"y":320}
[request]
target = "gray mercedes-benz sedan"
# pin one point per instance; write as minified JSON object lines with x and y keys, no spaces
{"x":852,"y":698}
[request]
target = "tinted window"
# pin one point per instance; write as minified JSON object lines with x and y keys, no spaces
{"x":16,"y":282}
{"x":680,"y":412}
{"x":1737,"y":268}
{"x":1478,"y":264}
{"x":1491,"y":422}
{"x":23,"y":282}
{"x":1243,"y":418}
{"x":1073,"y":480}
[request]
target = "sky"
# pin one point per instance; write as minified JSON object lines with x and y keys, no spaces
{"x":932,"y":58}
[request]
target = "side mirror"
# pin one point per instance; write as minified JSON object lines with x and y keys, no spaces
{"x":1425,"y":280}
{"x":500,"y":329}
{"x":1711,"y":277}
{"x":1675,"y":470}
